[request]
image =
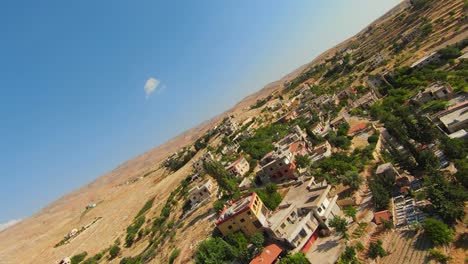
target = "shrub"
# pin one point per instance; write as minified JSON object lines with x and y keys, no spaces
{"x":373,"y":139}
{"x":348,"y":256}
{"x":350,"y":211}
{"x":214,"y":250}
{"x":439,"y":256}
{"x":296,"y":258}
{"x":78,"y":257}
{"x":269,"y":196}
{"x":376,"y":250}
{"x":438,"y":232}
{"x":145,"y":207}
{"x":114,"y":251}
{"x":132,"y":230}
{"x":174,"y":254}
{"x":340,"y":225}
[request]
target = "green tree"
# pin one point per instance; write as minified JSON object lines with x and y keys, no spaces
{"x":376,"y":250}
{"x":350,"y":211}
{"x":213,"y":251}
{"x":78,"y":257}
{"x":239,"y":242}
{"x":380,"y":194}
{"x":269,"y":195}
{"x":456,"y":148}
{"x":352,"y":179}
{"x":257,"y":239}
{"x":438,"y":232}
{"x":302,"y":161}
{"x":340,"y":225}
{"x":114,"y":251}
{"x":348,"y":256}
{"x":296,"y":258}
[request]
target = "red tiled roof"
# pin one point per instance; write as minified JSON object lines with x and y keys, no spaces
{"x":357,"y":128}
{"x":235,"y":162}
{"x":268,"y":256}
{"x":295,"y":147}
{"x":382,"y":215}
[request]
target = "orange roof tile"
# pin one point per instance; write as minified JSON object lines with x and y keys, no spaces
{"x":357,"y":128}
{"x":382,"y":215}
{"x":268,"y":256}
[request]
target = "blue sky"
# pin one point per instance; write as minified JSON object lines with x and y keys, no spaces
{"x":72,"y":77}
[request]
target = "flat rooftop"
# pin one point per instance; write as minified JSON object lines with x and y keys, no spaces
{"x":454,"y":117}
{"x":307,"y":194}
{"x":236,"y":207}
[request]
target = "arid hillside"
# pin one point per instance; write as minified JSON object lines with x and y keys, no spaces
{"x":115,"y":200}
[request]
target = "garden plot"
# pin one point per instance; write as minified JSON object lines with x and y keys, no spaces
{"x":406,"y":246}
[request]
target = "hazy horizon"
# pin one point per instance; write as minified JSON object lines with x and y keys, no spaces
{"x":84,"y":95}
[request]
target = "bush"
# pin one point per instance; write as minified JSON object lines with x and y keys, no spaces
{"x":340,"y":225}
{"x":376,"y":250}
{"x":302,"y":161}
{"x":132,"y":230}
{"x":145,"y":207}
{"x":269,"y":196}
{"x":114,"y":251}
{"x":78,"y":257}
{"x":373,"y":139}
{"x":348,"y":256}
{"x":214,"y":250}
{"x":439,"y":256}
{"x":438,"y":232}
{"x":174,"y":254}
{"x":296,"y":258}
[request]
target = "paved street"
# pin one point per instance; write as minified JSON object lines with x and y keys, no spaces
{"x":326,"y":250}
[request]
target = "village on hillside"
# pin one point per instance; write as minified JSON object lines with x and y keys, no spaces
{"x":362,"y":158}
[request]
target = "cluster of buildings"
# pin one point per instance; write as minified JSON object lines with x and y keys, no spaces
{"x":295,"y":224}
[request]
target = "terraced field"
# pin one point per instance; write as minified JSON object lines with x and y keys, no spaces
{"x":406,"y":246}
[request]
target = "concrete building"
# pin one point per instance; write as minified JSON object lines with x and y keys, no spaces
{"x":320,"y":129}
{"x":247,"y":214}
{"x":335,"y":123}
{"x":279,"y":165}
{"x":314,"y":197}
{"x":230,"y":149}
{"x":365,"y":101}
{"x":198,"y":164}
{"x":387,"y":171}
{"x":321,"y":151}
{"x":435,"y":91}
{"x":228,"y":127}
{"x":201,"y":192}
{"x":239,"y":167}
{"x":455,"y":118}
{"x":377,"y":60}
{"x":287,"y":117}
{"x":293,"y":226}
{"x":431,"y":58}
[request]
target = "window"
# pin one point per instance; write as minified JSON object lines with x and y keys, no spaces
{"x":249,"y":213}
{"x":286,"y":171}
{"x":303,"y":233}
{"x":283,"y":225}
{"x":281,"y":164}
{"x":257,"y":224}
{"x":230,"y":227}
{"x":319,"y":209}
{"x":242,"y":220}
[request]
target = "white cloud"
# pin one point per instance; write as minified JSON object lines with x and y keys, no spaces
{"x":8,"y":224}
{"x":151,"y":85}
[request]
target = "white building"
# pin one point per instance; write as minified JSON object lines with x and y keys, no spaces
{"x":201,"y":192}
